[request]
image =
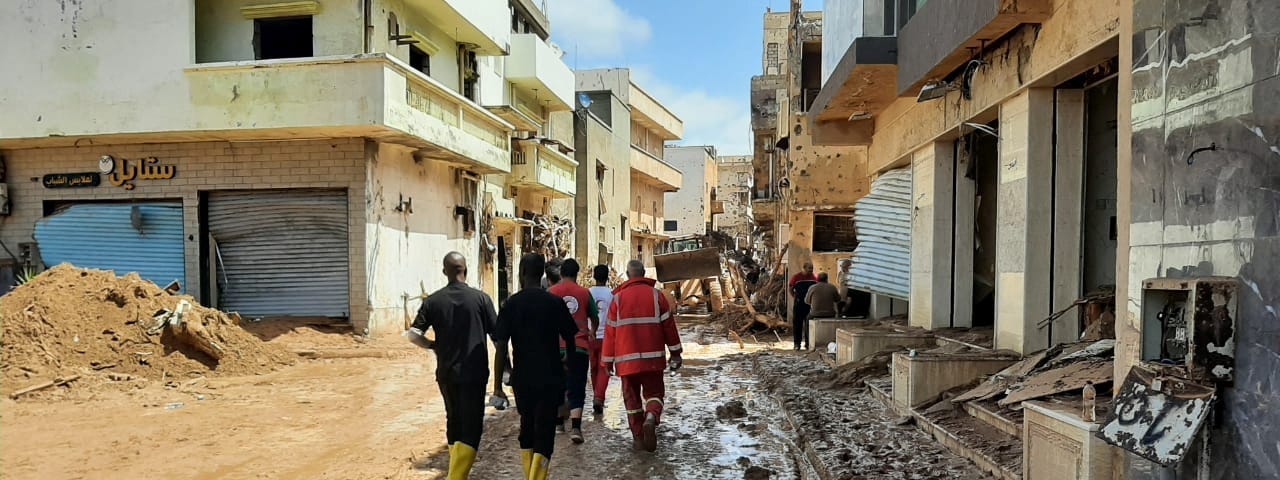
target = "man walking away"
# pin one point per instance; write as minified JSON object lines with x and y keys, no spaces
{"x":640,"y":328}
{"x":823,"y":299}
{"x":534,"y":322}
{"x":576,"y":353}
{"x":602,"y":295}
{"x":799,"y":284}
{"x":460,"y":316}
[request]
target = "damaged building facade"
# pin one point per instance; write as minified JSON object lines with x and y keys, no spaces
{"x":622,"y":131}
{"x":688,"y":211}
{"x":731,"y":211}
{"x":804,"y":190}
{"x":1045,"y":172}
{"x":311,"y":159}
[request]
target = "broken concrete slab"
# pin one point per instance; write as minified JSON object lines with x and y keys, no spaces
{"x":1059,"y":380}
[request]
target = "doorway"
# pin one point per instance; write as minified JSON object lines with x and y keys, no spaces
{"x":977,"y":186}
{"x":504,"y":271}
{"x":1098,"y":262}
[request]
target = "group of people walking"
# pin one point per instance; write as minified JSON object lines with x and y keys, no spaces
{"x":558,"y":335}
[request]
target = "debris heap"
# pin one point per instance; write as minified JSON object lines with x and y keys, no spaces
{"x":71,"y":321}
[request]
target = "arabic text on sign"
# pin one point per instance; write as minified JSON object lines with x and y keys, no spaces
{"x":146,"y":169}
{"x":71,"y":180}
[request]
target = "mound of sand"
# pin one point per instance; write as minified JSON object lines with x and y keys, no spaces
{"x":69,"y":321}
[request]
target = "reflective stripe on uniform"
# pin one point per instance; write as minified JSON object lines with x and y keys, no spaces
{"x":635,"y":321}
{"x":675,"y":348}
{"x":631,"y":357}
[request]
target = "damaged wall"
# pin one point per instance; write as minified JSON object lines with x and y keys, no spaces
{"x":1206,"y":78}
{"x":825,"y":177}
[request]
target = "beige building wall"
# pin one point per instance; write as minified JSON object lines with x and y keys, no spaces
{"x":733,"y":189}
{"x":203,"y":166}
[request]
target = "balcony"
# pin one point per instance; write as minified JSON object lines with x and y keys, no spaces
{"x":862,"y":84}
{"x":942,"y":36}
{"x":368,"y":95}
{"x":646,"y":111}
{"x":653,"y":170}
{"x":545,"y":166}
{"x":536,"y":66}
{"x":470,"y":22}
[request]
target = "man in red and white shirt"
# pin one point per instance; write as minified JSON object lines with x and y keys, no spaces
{"x":641,"y":329}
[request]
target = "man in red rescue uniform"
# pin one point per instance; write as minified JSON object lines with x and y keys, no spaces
{"x":639,"y":332}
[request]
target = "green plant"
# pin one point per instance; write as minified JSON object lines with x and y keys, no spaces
{"x":27,"y":273}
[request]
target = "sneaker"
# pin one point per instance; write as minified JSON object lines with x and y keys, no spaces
{"x":650,"y":438}
{"x":576,"y":435}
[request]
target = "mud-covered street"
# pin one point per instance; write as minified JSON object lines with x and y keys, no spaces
{"x":381,"y":418}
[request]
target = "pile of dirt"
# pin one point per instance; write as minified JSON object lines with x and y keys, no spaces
{"x":71,"y":321}
{"x":852,"y":374}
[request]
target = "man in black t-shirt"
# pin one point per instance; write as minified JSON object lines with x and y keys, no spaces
{"x":461,"y":317}
{"x":534,"y":322}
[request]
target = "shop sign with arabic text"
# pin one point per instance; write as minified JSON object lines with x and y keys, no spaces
{"x":122,"y":172}
{"x":71,"y":180}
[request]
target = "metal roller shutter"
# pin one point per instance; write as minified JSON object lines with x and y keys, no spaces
{"x":882,"y":261}
{"x":281,"y":253}
{"x":123,"y":237}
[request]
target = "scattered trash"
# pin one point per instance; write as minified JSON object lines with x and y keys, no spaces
{"x":174,"y":405}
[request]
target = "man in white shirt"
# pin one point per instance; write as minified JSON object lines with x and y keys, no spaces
{"x":603,"y":295}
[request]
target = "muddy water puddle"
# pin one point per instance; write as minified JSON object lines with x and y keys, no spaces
{"x":694,"y":444}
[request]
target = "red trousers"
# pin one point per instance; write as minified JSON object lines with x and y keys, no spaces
{"x":599,"y":376}
{"x":642,"y":393}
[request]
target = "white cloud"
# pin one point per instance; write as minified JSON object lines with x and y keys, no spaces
{"x":596,"y":28}
{"x":709,"y":119}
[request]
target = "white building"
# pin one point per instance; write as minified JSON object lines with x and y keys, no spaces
{"x":302,"y":158}
{"x":689,"y":209}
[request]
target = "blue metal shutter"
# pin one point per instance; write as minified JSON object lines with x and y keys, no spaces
{"x":882,"y":261}
{"x":103,"y":236}
{"x":281,"y":253}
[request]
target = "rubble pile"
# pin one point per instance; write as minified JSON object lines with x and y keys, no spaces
{"x":1058,"y":374}
{"x":745,"y":319}
{"x":852,"y":375}
{"x":70,"y":321}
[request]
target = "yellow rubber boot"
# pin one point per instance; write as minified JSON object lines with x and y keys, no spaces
{"x":526,"y":462}
{"x":461,"y":458}
{"x":538,"y":469}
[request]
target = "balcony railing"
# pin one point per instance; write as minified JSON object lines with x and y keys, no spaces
{"x":369,"y":95}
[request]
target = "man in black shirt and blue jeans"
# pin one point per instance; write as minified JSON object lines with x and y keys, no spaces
{"x":461,"y":317}
{"x":534,"y":322}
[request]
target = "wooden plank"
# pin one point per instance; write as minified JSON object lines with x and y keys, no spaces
{"x":43,"y":385}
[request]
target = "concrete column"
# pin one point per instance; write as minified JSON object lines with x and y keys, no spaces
{"x":1068,"y":214}
{"x":932,"y":235}
{"x":1024,"y":219}
{"x":962,"y":255}
{"x":881,"y":306}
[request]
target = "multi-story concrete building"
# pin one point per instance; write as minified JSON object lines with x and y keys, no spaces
{"x":688,"y":211}
{"x":731,"y":209}
{"x":1027,"y":154}
{"x":283,"y":159}
{"x":805,"y":188}
{"x":622,"y":176}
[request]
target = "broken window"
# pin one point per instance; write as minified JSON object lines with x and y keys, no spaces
{"x":469,"y":69}
{"x":288,"y":37}
{"x":834,"y":232}
{"x":419,"y":59}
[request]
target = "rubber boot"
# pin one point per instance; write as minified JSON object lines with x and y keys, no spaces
{"x":461,"y":458}
{"x":538,"y":468}
{"x":649,"y":438}
{"x":526,"y":461}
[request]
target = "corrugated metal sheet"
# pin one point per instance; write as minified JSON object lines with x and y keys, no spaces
{"x":882,"y":261}
{"x":281,"y":252}
{"x":103,"y":236}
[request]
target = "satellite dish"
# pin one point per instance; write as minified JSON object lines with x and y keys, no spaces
{"x":584,"y":100}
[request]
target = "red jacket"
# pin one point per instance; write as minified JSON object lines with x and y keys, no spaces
{"x":580,"y":303}
{"x":640,"y":329}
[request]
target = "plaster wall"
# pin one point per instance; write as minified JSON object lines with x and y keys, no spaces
{"x":824,"y":177}
{"x":223,"y":34}
{"x":690,"y":206}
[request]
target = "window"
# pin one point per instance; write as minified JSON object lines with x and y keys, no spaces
{"x":624,"y":229}
{"x":419,"y":59}
{"x":771,"y":65}
{"x":834,"y":232}
{"x":282,"y":37}
{"x":669,"y":225}
{"x":470,"y":68}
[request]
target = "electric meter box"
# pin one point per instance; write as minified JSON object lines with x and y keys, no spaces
{"x":1191,"y":322}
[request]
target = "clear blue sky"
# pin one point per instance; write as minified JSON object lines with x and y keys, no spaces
{"x":696,"y":56}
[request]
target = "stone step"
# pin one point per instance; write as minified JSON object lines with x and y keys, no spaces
{"x":991,"y":449}
{"x":989,"y":414}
